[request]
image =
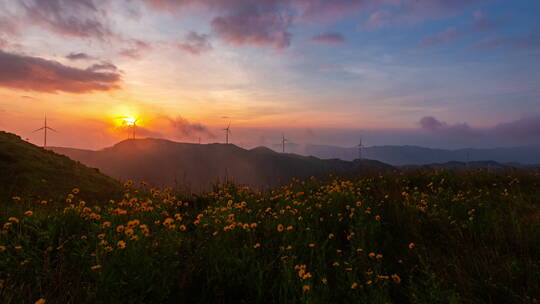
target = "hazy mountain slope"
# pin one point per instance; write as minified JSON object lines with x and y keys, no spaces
{"x":196,"y":167}
{"x":413,"y":155}
{"x":28,"y":170}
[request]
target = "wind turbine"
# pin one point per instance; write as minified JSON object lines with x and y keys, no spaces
{"x":360,"y":149}
{"x":45,"y":128}
{"x":227,"y":132}
{"x":283,"y":141}
{"x":134,"y":126}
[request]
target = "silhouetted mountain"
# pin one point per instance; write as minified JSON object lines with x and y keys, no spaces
{"x":414,"y":155}
{"x":197,"y":167}
{"x":30,"y":171}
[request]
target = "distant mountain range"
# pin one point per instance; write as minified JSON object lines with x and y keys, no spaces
{"x":196,"y":167}
{"x":414,"y":155}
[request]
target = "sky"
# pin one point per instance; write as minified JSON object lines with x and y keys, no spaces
{"x":436,"y":73}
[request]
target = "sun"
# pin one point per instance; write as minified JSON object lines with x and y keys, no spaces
{"x":129,"y":120}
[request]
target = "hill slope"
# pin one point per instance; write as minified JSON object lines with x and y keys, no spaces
{"x":196,"y":167}
{"x":30,"y":171}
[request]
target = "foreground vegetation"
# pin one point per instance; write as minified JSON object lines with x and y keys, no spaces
{"x":422,"y":237}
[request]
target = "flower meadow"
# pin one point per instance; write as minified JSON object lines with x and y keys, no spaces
{"x":403,"y":237}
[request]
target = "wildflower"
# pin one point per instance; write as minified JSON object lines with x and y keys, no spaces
{"x":280,"y":228}
{"x":289,"y":228}
{"x":257,"y":245}
{"x":106,"y":224}
{"x":83,"y":237}
{"x":2,"y":248}
{"x":311,"y":245}
{"x":331,"y":236}
{"x":75,"y":190}
{"x":182,"y":228}
{"x":377,"y":217}
{"x":354,"y":285}
{"x":253,"y":225}
{"x":96,"y":267}
{"x":16,"y":198}
{"x":379,"y":256}
{"x":18,"y":247}
{"x":13,"y":219}
{"x":372,"y":254}
{"x":168,"y":221}
{"x":306,"y":288}
{"x":40,"y":301}
{"x":120,"y":228}
{"x":121,"y":244}
{"x":396,"y":278}
{"x":369,"y":282}
{"x":324,"y":281}
{"x":101,"y":236}
{"x":129,"y":231}
{"x":411,"y":245}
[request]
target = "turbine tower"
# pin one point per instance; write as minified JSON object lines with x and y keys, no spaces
{"x":283,"y":141}
{"x":45,"y":128}
{"x":227,"y":132}
{"x":360,"y":149}
{"x":134,"y":126}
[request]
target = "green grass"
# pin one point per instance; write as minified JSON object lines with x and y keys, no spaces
{"x":42,"y":175}
{"x":418,"y":237}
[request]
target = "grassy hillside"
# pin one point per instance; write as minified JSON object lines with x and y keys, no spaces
{"x":196,"y":167}
{"x":422,"y":237}
{"x":33,"y":172}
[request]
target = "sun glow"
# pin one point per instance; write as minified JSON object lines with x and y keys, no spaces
{"x":129,"y":120}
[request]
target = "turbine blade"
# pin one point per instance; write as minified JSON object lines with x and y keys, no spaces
{"x":52,"y":129}
{"x":38,"y":129}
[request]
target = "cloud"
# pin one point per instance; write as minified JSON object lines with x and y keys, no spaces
{"x":135,"y":50}
{"x":38,"y":74}
{"x":195,"y":43}
{"x":185,"y":128}
{"x":528,"y":42}
{"x":76,"y":18}
{"x":447,"y":35}
{"x":524,"y":128}
{"x":259,"y":23}
{"x":104,"y":66}
{"x":432,"y":124}
{"x":376,"y":20}
{"x":79,"y":56}
{"x":329,"y":38}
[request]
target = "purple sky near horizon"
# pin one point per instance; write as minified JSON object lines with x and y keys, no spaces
{"x":436,"y":73}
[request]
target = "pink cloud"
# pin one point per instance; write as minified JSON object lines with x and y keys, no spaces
{"x":447,"y":35}
{"x":259,"y":25}
{"x":37,"y":74}
{"x":195,"y":43}
{"x":329,"y":38}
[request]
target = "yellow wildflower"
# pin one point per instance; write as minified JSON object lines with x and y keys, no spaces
{"x":280,"y":228}
{"x":2,"y":248}
{"x":120,"y":228}
{"x":13,"y":219}
{"x":96,"y":267}
{"x":29,"y":213}
{"x":396,"y":278}
{"x":306,"y":288}
{"x":40,"y":301}
{"x":354,"y":285}
{"x":121,"y":244}
{"x":411,"y":245}
{"x":289,"y":228}
{"x":182,"y":227}
{"x":257,"y":245}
